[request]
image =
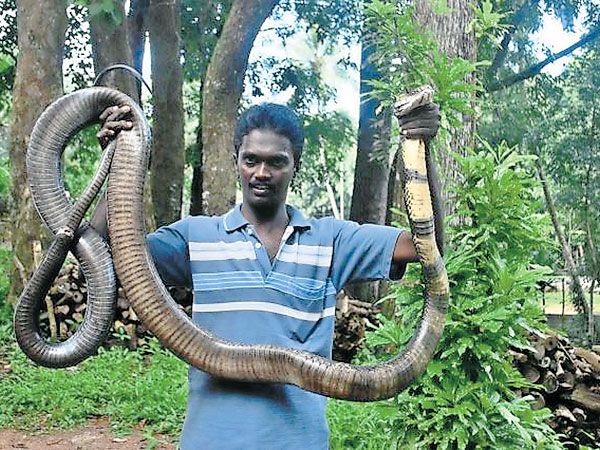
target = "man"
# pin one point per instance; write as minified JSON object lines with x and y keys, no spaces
{"x":264,"y":274}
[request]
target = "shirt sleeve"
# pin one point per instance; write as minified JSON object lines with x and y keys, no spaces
{"x":169,"y":249}
{"x":363,"y":253}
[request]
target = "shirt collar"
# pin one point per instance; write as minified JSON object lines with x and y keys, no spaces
{"x":234,"y":219}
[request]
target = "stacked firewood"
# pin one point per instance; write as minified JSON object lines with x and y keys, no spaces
{"x":567,"y":380}
{"x":66,"y":303}
{"x":352,"y":318}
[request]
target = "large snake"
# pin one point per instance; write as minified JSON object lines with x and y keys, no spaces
{"x":162,"y":316}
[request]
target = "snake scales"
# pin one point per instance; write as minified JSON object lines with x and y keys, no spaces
{"x":148,"y":296}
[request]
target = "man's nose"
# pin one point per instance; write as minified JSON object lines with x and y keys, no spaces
{"x":262,"y":171}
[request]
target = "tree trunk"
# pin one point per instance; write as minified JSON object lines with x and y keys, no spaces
{"x":137,"y":27}
{"x":196,"y":203}
{"x":41,"y":33}
{"x":221,"y":96}
{"x":372,"y":168}
{"x":578,"y":295}
{"x":209,"y":28}
{"x":453,"y":41}
{"x":168,"y":147}
{"x":110,"y":45}
{"x":369,"y":193}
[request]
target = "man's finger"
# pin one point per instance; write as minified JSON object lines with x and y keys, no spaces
{"x":105,"y":133}
{"x":118,"y":125}
{"x":114,"y":113}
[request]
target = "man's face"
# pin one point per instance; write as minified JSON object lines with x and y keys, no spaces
{"x":266,"y":166}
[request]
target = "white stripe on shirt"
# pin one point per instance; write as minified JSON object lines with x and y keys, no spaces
{"x":314,"y":255}
{"x":264,"y":307}
{"x":221,"y":251}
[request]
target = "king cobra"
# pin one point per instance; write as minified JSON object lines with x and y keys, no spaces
{"x":150,"y":299}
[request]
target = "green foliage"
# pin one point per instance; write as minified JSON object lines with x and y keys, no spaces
{"x":8,"y":44}
{"x":201,"y":25}
{"x":329,"y":137}
{"x":81,"y":159}
{"x":331,"y":20}
{"x":356,"y":426}
{"x":558,"y":118}
{"x":408,"y":58}
{"x":78,"y":62}
{"x":126,"y":386}
{"x":415,"y":60}
{"x":6,"y":62}
{"x":487,"y":22}
{"x":107,"y":8}
{"x":465,"y":399}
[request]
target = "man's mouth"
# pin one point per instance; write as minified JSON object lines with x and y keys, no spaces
{"x":260,"y":189}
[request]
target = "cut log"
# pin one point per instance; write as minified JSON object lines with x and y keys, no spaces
{"x":564,"y":412}
{"x":550,"y":383}
{"x":62,"y":309}
{"x":583,"y":396}
{"x":566,"y":380}
{"x":517,"y":356}
{"x":551,"y":342}
{"x":539,"y":351}
{"x":538,"y":401}
{"x":530,"y":372}
{"x":592,"y":359}
{"x":580,"y":415}
{"x":545,"y":362}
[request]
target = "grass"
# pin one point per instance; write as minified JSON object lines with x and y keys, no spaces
{"x":129,"y":388}
{"x":554,"y":303}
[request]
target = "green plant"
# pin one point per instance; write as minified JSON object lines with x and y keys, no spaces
{"x":148,"y":386}
{"x":465,"y":399}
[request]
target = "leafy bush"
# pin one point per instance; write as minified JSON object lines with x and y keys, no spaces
{"x":465,"y":398}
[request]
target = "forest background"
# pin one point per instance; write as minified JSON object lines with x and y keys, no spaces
{"x":509,"y":128}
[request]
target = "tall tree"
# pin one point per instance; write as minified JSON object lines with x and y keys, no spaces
{"x":369,"y":194}
{"x":372,"y":168}
{"x":202,"y":23}
{"x":137,"y":27}
{"x":450,"y":31}
{"x":38,"y":81}
{"x":579,"y":297}
{"x":221,"y":96}
{"x":168,"y":148}
{"x":110,"y":44}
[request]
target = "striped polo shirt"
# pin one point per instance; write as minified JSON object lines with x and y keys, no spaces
{"x":240,"y":295}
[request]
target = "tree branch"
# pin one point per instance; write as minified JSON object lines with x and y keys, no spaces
{"x":515,"y":23}
{"x":537,"y":68}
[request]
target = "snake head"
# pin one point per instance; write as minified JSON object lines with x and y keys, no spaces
{"x":419,"y":97}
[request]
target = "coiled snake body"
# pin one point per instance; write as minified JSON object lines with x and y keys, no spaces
{"x":152,"y":302}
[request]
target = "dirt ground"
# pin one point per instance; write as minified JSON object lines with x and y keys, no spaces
{"x":96,"y":435}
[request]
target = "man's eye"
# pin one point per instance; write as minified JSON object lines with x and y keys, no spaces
{"x":250,"y":161}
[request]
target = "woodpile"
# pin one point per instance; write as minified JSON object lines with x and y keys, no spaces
{"x":352,"y":318}
{"x":567,"y":381}
{"x":66,"y":303}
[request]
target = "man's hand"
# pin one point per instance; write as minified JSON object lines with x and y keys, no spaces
{"x":421,"y":123}
{"x":114,"y":119}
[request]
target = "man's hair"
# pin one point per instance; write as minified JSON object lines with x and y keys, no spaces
{"x":270,"y":116}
